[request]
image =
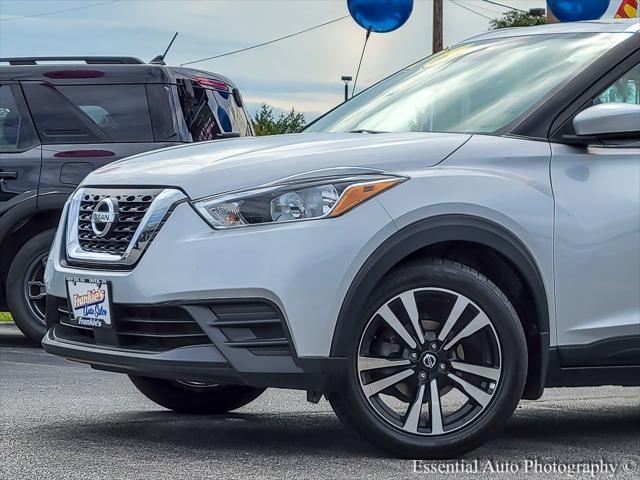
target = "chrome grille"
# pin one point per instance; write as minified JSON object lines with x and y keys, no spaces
{"x":127,"y":223}
{"x":132,"y":205}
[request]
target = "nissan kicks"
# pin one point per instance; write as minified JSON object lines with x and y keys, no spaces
{"x":455,"y":238}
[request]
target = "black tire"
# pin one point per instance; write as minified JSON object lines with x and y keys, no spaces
{"x":359,"y":412}
{"x":28,"y":315}
{"x":186,"y":397}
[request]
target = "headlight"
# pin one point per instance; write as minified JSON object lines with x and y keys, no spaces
{"x":293,"y":201}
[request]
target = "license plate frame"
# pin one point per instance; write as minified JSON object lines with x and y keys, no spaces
{"x":89,"y":302}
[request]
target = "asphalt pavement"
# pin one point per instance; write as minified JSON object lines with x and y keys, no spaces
{"x":63,"y":420}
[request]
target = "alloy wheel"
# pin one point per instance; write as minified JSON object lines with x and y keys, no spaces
{"x":429,"y":361}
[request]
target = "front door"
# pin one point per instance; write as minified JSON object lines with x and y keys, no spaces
{"x":597,"y":244}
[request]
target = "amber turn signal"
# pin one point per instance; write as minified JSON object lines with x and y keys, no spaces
{"x":359,"y":193}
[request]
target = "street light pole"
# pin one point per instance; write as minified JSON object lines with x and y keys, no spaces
{"x":437,"y":25}
{"x":346,"y":79}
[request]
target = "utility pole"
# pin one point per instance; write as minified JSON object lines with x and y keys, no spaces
{"x":551,"y":18}
{"x":437,"y":26}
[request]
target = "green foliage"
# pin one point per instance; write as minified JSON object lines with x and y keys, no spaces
{"x":265,"y":122}
{"x":5,"y":317}
{"x":515,"y":18}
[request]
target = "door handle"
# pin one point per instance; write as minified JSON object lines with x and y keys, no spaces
{"x":8,"y":175}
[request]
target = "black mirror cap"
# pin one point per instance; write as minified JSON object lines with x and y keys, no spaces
{"x":600,"y":139}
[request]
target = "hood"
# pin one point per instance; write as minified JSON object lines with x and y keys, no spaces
{"x":210,"y":168}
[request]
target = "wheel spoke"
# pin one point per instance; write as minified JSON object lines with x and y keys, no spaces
{"x":436,"y":410}
{"x":413,"y":417}
{"x":480,"y":371}
{"x":478,"y":323}
{"x":41,"y":290}
{"x":391,"y":319}
{"x":409,"y":302}
{"x":372,"y":363}
{"x":379,"y":385}
{"x":472,"y":392}
{"x":396,"y":355}
{"x":453,"y":317}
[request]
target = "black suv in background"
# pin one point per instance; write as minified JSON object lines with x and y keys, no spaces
{"x":61,"y":118}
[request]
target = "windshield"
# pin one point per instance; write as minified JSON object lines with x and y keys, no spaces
{"x":477,"y":87}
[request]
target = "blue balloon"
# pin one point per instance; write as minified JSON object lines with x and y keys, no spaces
{"x":576,"y":10}
{"x":380,"y":16}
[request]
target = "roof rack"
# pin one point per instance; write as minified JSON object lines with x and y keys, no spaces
{"x":87,"y":60}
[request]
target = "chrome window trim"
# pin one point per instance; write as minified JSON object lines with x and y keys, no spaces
{"x":153,"y":217}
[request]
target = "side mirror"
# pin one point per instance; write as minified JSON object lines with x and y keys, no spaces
{"x":606,"y":121}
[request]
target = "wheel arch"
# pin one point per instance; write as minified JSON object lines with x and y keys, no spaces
{"x":456,"y":237}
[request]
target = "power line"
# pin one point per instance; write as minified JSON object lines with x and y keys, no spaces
{"x":58,"y":11}
{"x":486,"y":8}
{"x":505,"y":6}
{"x":265,"y":43}
{"x":471,"y":10}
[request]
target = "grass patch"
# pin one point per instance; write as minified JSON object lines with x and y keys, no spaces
{"x":5,"y":317}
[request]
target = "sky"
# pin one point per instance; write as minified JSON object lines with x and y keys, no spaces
{"x":302,"y":72}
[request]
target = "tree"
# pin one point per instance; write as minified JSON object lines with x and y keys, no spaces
{"x":516,"y":18}
{"x":265,"y":122}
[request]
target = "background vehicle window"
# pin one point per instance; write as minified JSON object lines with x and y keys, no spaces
{"x":9,"y":120}
{"x":624,"y":90}
{"x":232,"y":118}
{"x":120,"y":111}
{"x":90,"y":113}
{"x":15,"y":133}
{"x":211,"y":113}
{"x":199,"y":116}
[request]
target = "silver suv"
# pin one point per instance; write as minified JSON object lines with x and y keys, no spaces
{"x":457,"y":237}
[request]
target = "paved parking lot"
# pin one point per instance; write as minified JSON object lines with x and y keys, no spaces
{"x":62,"y":420}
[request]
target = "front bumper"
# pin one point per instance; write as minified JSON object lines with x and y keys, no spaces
{"x":191,"y":363}
{"x":302,"y":270}
{"x":250,"y":349}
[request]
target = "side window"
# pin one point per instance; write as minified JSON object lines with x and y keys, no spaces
{"x":15,"y":131}
{"x":198,"y":114}
{"x":624,"y":90}
{"x":90,"y":113}
{"x":210,"y":112}
{"x":232,"y":117}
